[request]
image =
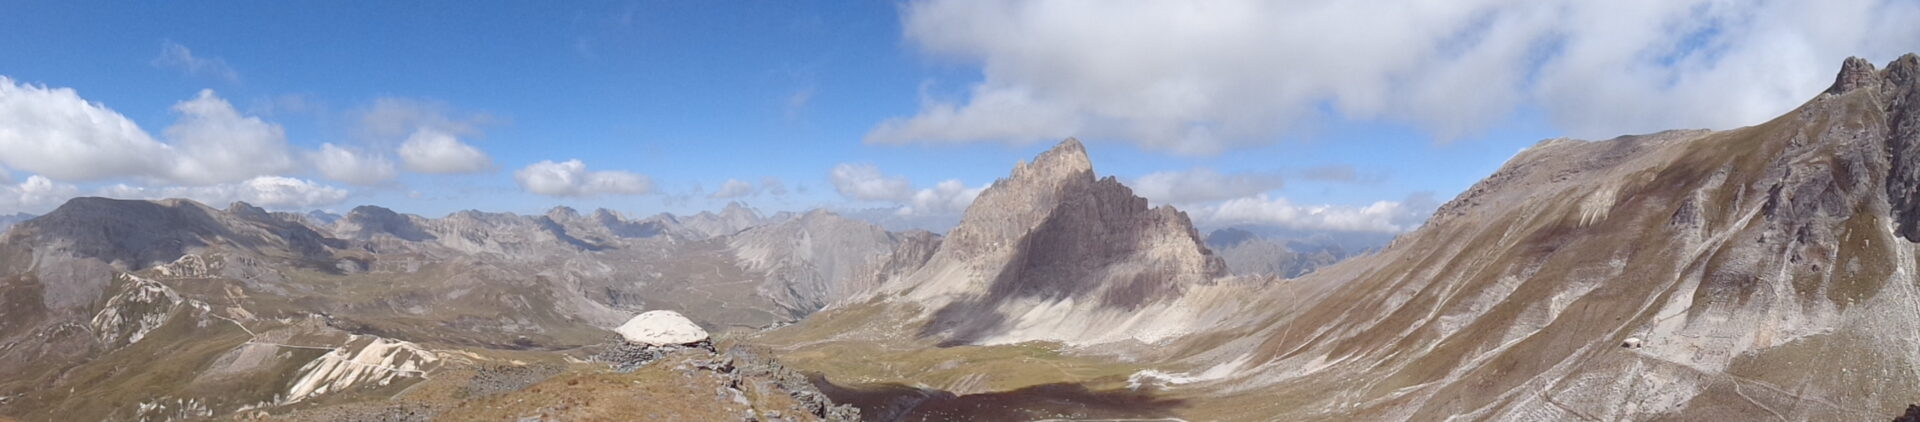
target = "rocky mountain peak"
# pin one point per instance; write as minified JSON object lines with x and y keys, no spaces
{"x":1053,"y":233}
{"x":1854,"y":73}
{"x":243,"y":209}
{"x":1904,"y":71}
{"x":1068,"y":159}
{"x":1900,"y":75}
{"x":366,"y":221}
{"x":563,"y":213}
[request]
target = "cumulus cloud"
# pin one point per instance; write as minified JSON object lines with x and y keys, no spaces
{"x":1201,"y":77}
{"x":276,"y":192}
{"x":351,"y":165}
{"x":55,"y":133}
{"x":1203,"y":184}
{"x":434,"y":151}
{"x":865,"y":182}
{"x":179,"y":57}
{"x":36,"y":194}
{"x":1380,"y":216}
{"x":571,"y":179}
{"x":946,"y":198}
{"x":215,"y":144}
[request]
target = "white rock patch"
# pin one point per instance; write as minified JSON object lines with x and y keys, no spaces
{"x":376,"y":361}
{"x":660,"y":328}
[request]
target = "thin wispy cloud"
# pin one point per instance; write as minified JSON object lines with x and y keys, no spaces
{"x":178,"y":57}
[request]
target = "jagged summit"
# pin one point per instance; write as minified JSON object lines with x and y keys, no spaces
{"x":563,"y":213}
{"x":1857,"y":73}
{"x":1051,"y":233}
{"x":1067,"y":159}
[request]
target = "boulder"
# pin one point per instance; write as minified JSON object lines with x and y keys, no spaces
{"x":661,"y":328}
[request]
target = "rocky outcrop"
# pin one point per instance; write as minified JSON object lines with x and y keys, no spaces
{"x":1896,"y":92}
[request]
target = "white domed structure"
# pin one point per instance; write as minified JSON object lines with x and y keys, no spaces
{"x":661,"y":328}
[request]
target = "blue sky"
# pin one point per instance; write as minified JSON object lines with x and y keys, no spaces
{"x":689,"y":96}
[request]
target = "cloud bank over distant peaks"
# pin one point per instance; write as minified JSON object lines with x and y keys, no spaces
{"x":736,"y":188}
{"x":1203,"y":184}
{"x":1264,"y":210}
{"x":1203,"y":77}
{"x":866,"y":183}
{"x":212,"y":152}
{"x":572,"y":179}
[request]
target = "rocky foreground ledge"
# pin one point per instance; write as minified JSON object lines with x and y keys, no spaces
{"x":661,"y":367}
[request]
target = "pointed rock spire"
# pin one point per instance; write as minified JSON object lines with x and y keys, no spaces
{"x":1855,"y":72}
{"x":1067,"y":159}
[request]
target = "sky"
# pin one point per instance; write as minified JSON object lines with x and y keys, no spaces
{"x":1319,"y":115}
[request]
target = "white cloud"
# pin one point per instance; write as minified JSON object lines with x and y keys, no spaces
{"x":733,"y":188}
{"x":215,"y":144}
{"x":394,"y":118}
{"x":1203,"y":184}
{"x":55,"y":133}
{"x":36,"y":195}
{"x":1201,"y":77}
{"x":350,"y":165}
{"x":1380,"y":216}
{"x":275,"y":192}
{"x":864,"y":182}
{"x":571,"y":179}
{"x":178,"y":57}
{"x":947,"y":198}
{"x":434,"y":151}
